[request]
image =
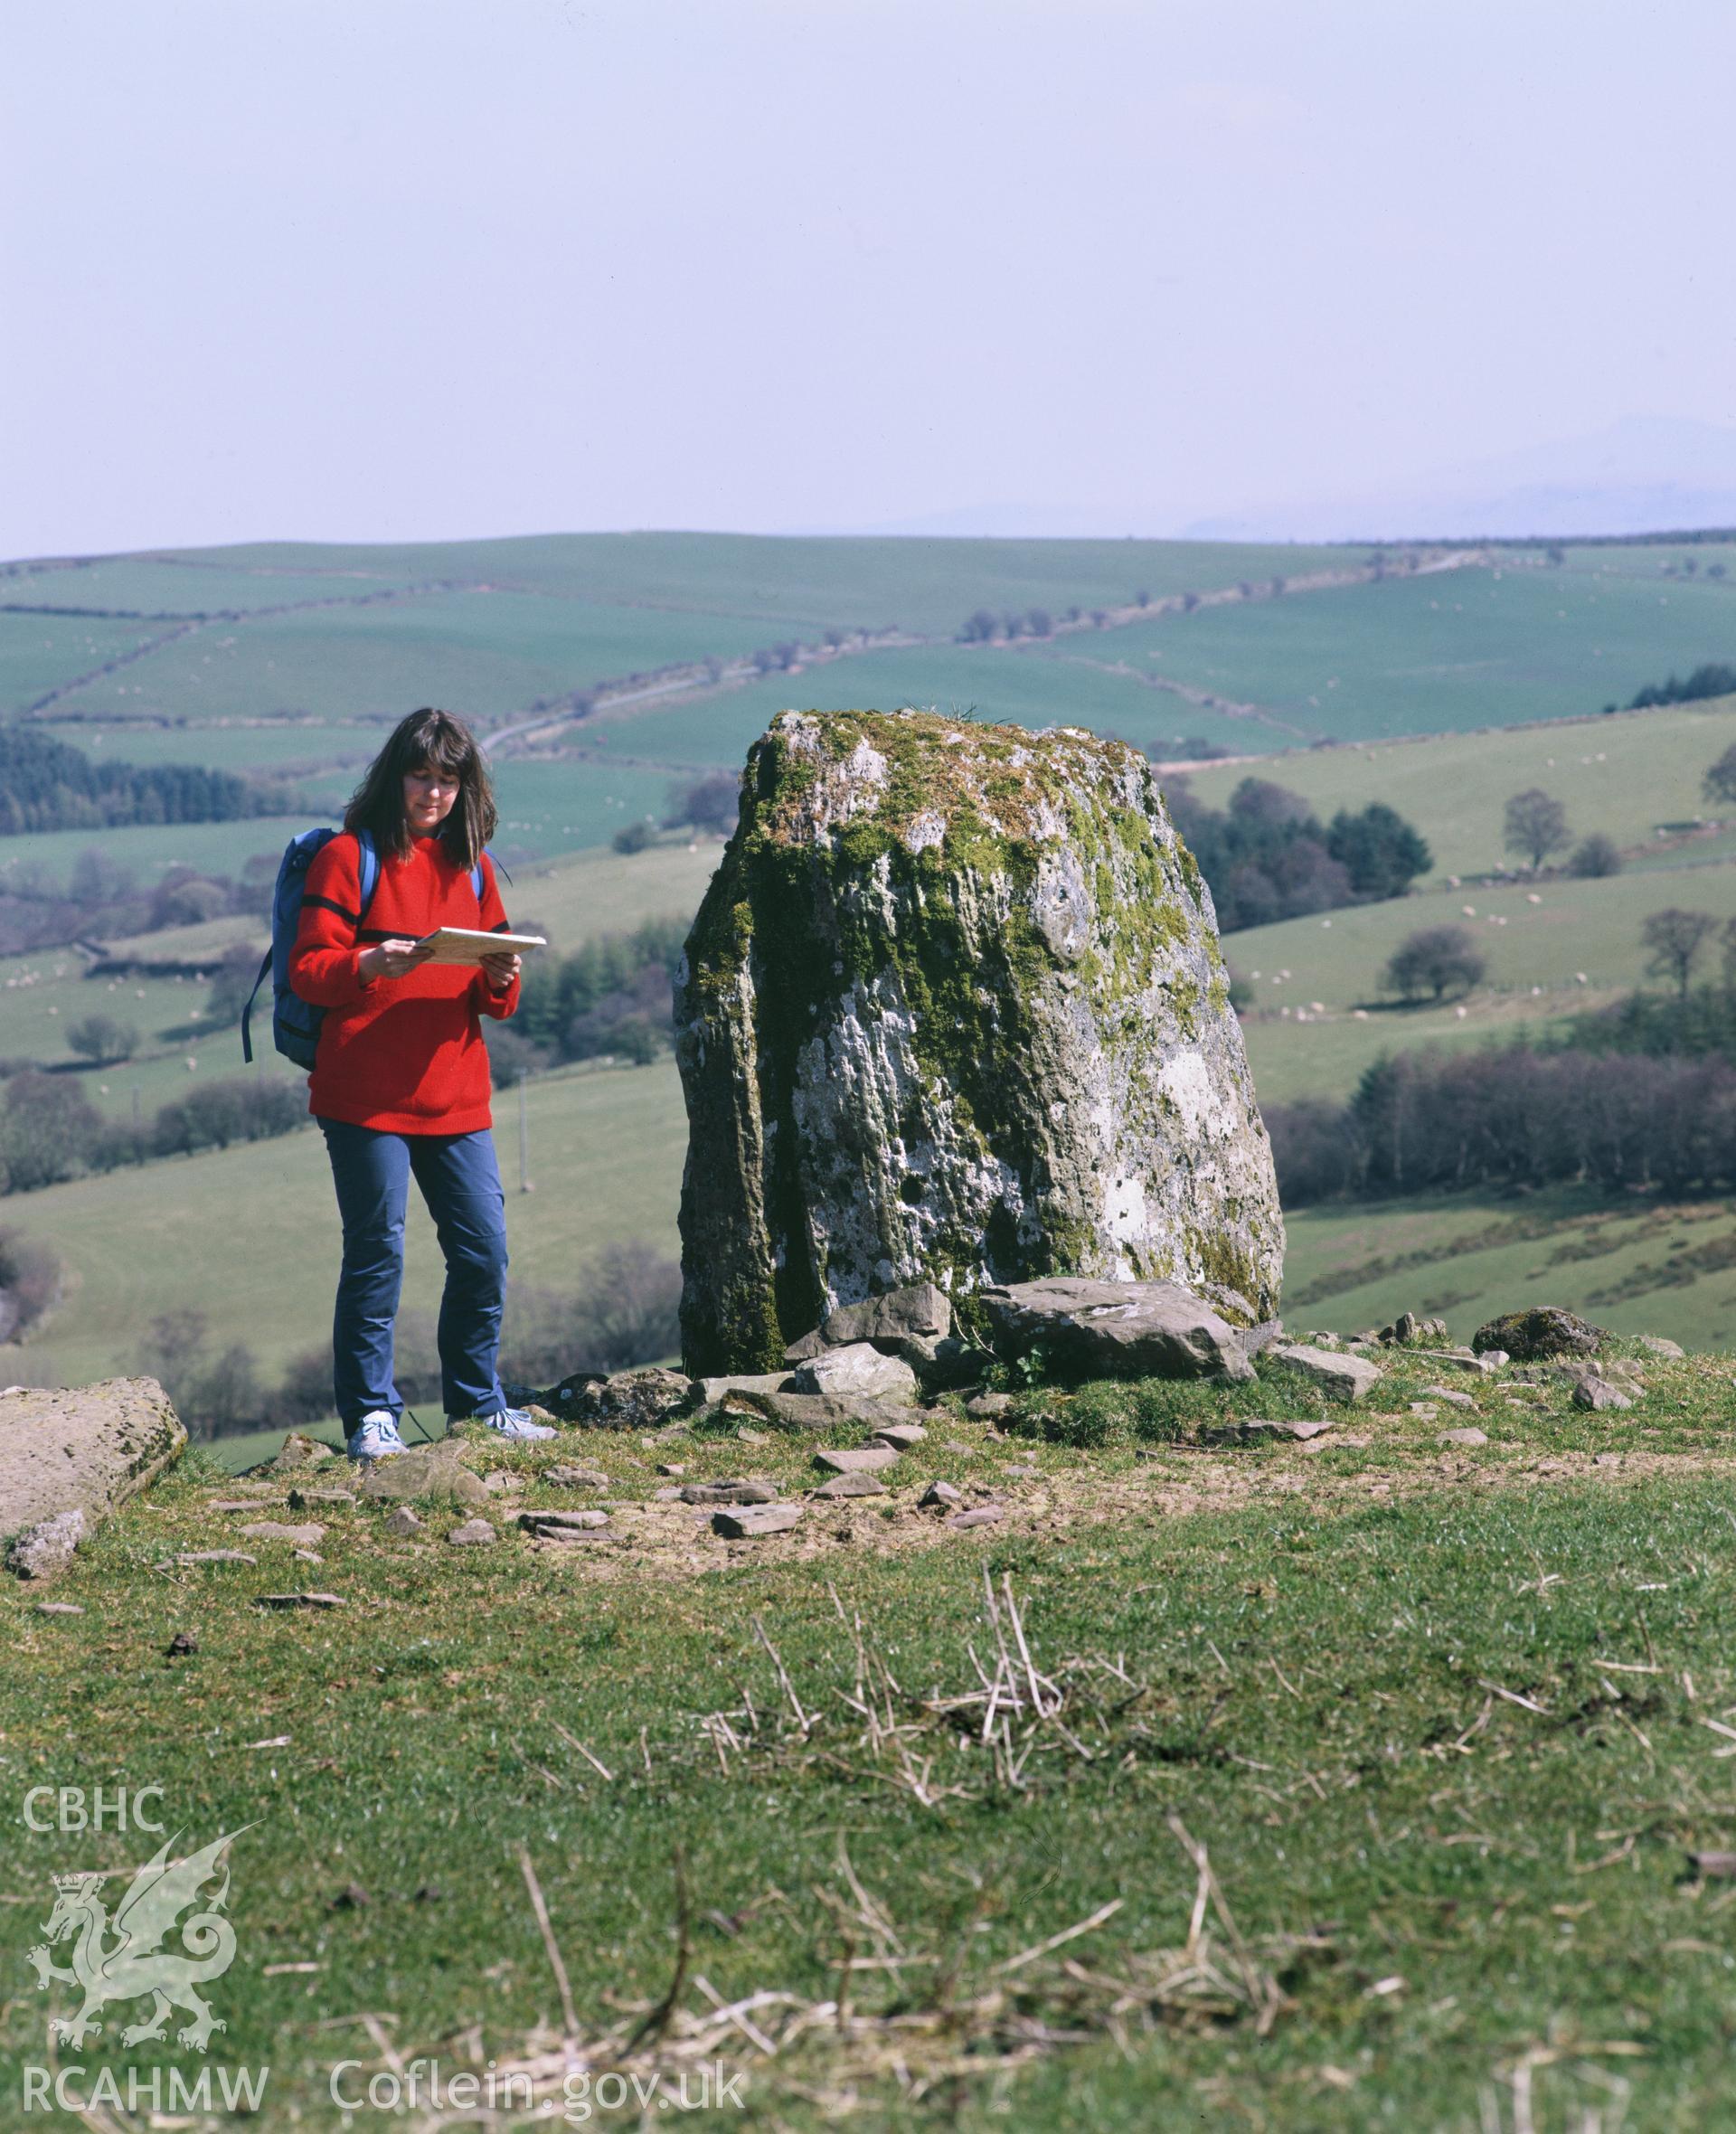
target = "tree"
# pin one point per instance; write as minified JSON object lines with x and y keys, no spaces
{"x":708,"y":803}
{"x":1536,"y":826}
{"x":979,"y":627}
{"x":632,"y":836}
{"x":1674,"y":939}
{"x":47,"y":1130}
{"x":1379,"y":850}
{"x":232,"y":982}
{"x":1436,"y":959}
{"x":1720,"y":781}
{"x":1595,"y":856}
{"x":103,"y":1041}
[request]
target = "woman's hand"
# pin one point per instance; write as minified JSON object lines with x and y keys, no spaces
{"x":502,"y":970}
{"x":391,"y":959}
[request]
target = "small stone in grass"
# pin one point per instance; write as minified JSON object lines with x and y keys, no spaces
{"x":1598,"y":1393}
{"x":1722,"y":1867}
{"x":189,"y":1557}
{"x":742,"y":1492}
{"x":351,"y":1897}
{"x":58,"y":1608}
{"x":47,"y":1548}
{"x":953,"y":1445}
{"x":899,"y":1435}
{"x":1022,"y":1471}
{"x":749,"y":1521}
{"x":983,"y":1405}
{"x":1465,"y":1437}
{"x":299,"y":1499}
{"x":1426,"y":1409}
{"x":238,"y":1503}
{"x":1657,"y":1346}
{"x":983,"y":1515}
{"x":301,"y":1537}
{"x":474,"y":1534}
{"x":308,"y":1557}
{"x":671,"y":1467}
{"x":744,"y":1436}
{"x":940,"y":1494}
{"x":302,"y":1600}
{"x":1450,"y":1394}
{"x":859,"y":1460}
{"x":183,"y":1642}
{"x":559,"y":1524}
{"x":402,"y":1522}
{"x":851,"y":1486}
{"x":563,"y":1474}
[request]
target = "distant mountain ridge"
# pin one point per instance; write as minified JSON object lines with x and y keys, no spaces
{"x":1643,"y":475}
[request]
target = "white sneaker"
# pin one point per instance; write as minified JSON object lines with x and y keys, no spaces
{"x":516,"y":1422}
{"x":375,"y":1437}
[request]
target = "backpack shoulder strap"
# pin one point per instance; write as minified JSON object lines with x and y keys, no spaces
{"x":369,"y":870}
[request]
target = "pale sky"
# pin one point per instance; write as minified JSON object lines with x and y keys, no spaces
{"x":423,"y":269}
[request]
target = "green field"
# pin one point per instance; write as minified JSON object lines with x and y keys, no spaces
{"x":993,"y":682}
{"x":250,"y":1233}
{"x":1622,"y":777}
{"x":1447,"y":652}
{"x":1331,"y":1787}
{"x":43,"y":651}
{"x":1641,"y":1269}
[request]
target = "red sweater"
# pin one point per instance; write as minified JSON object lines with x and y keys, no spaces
{"x":404,"y":1055}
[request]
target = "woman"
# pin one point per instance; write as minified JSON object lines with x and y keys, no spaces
{"x":400,"y":1083}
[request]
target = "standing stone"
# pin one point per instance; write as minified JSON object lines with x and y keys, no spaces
{"x":953,"y":1011}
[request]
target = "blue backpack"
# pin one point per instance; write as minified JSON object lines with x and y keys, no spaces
{"x":294,"y":1022}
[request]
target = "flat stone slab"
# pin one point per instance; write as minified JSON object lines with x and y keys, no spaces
{"x":901,"y":1436}
{"x":852,"y":1486}
{"x":858,"y":1367}
{"x":562,"y":1522}
{"x":1457,"y":1359}
{"x":85,"y":1450}
{"x":1117,"y":1329}
{"x":1338,"y":1374}
{"x":1598,"y":1393}
{"x":1471,"y":1436}
{"x":402,"y":1522}
{"x":750,"y":1522}
{"x":563,"y":1474}
{"x":919,"y":1308}
{"x":758,"y":1382}
{"x":825,"y":1411}
{"x":858,"y":1460}
{"x":474,"y":1534}
{"x":301,"y":1600}
{"x":983,"y":1515}
{"x":1450,"y":1394}
{"x":1301,"y":1428}
{"x":300,"y":1537}
{"x":745,"y":1492}
{"x":58,"y":1608}
{"x":940,"y":1494}
{"x":300,"y":1498}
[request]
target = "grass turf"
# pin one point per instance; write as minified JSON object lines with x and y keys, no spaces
{"x":1438,"y":1723}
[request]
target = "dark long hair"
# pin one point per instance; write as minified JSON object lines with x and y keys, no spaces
{"x":427,"y":740}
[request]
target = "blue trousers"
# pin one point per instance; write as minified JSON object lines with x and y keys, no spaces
{"x":461,"y":1181}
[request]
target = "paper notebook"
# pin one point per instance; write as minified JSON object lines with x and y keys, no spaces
{"x":467,"y":944}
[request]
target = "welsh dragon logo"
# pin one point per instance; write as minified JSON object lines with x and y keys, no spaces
{"x":134,"y":1963}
